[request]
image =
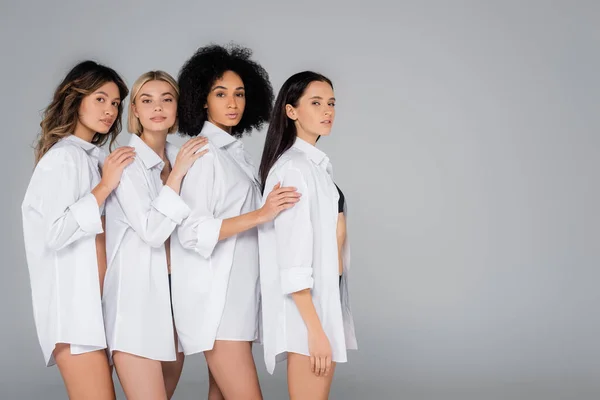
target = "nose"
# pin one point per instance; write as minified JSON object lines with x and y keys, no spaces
{"x":329,"y":112}
{"x":232,"y":102}
{"x":110,"y":111}
{"x":157,"y":107}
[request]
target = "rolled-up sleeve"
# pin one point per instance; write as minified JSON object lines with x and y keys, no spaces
{"x":200,"y":231}
{"x":152,"y":219}
{"x":294,"y":233}
{"x":67,"y":216}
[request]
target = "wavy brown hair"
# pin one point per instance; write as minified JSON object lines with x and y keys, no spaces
{"x":61,"y":116}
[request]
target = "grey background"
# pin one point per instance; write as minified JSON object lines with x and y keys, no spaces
{"x":466,"y":142}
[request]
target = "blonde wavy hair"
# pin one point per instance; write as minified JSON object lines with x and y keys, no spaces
{"x":62,"y":114}
{"x":133,"y":123}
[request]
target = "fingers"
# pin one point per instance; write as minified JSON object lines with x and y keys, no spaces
{"x":327,"y":365}
{"x":118,"y":152}
{"x":286,"y":189}
{"x":313,"y":361}
{"x":318,"y":366}
{"x":198,"y":155}
{"x":200,"y":140}
{"x":124,"y":156}
{"x":287,"y":196}
{"x":276,"y":186}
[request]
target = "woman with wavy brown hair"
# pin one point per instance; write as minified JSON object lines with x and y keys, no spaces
{"x":63,"y":224}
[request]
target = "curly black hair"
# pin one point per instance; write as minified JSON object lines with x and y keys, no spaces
{"x":200,"y":72}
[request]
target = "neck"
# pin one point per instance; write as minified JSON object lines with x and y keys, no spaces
{"x":83,"y":132}
{"x":307,"y":137}
{"x":156,"y":141}
{"x":221,"y":126}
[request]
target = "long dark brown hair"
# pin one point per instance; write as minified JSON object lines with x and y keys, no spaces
{"x":281,"y":134}
{"x":61,"y":116}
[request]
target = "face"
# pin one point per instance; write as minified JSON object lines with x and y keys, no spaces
{"x":155,"y":106}
{"x":315,"y":111}
{"x":99,"y":110}
{"x":226,"y":101}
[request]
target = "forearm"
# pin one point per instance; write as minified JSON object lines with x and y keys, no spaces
{"x":233,"y":226}
{"x":101,"y":193}
{"x":174,"y":181}
{"x":303,"y":300}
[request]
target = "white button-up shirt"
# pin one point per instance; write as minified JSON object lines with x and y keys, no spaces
{"x":298,"y":250}
{"x":141,"y":214}
{"x":61,"y":219}
{"x":215,"y":284}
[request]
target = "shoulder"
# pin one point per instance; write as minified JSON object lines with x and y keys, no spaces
{"x":292,"y":159}
{"x":62,"y":153}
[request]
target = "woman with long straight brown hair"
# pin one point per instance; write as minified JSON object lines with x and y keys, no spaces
{"x":304,"y":254}
{"x":63,"y":225}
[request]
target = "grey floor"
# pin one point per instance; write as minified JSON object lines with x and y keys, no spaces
{"x":274,"y":388}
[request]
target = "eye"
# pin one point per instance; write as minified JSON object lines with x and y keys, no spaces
{"x":100,"y":99}
{"x":316,"y":103}
{"x":220,"y":94}
{"x":146,"y":101}
{"x":241,"y":94}
{"x":331,"y":104}
{"x":115,"y":103}
{"x":169,"y":100}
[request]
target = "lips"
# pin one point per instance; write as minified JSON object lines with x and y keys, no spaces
{"x":232,"y":115}
{"x":327,"y":122}
{"x":157,"y":119}
{"x":107,"y":122}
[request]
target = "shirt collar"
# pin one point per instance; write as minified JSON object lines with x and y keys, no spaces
{"x":145,"y":152}
{"x":216,"y":135}
{"x":316,"y":155}
{"x":87,"y":146}
{"x":91,"y":149}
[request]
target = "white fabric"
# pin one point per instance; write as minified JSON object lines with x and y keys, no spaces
{"x":61,"y":219}
{"x":141,"y":214}
{"x":299,"y":251}
{"x":215,"y":283}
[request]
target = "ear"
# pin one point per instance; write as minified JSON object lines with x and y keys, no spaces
{"x":134,"y":109}
{"x":290,"y":112}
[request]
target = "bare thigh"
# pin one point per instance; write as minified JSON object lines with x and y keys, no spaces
{"x":86,"y":376}
{"x":172,"y":372}
{"x":232,"y":366}
{"x":304,"y":384}
{"x":141,"y":378}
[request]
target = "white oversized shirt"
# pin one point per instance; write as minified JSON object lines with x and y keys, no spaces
{"x":141,"y":214}
{"x":61,"y":219}
{"x":298,"y":250}
{"x":222,"y":184}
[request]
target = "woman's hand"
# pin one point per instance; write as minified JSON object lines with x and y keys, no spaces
{"x":278,"y":200}
{"x":187,"y":155}
{"x":320,"y":353}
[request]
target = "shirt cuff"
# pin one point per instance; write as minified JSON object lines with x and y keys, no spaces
{"x":295,"y":279}
{"x":87,"y":214}
{"x":171,"y":205}
{"x":208,"y":232}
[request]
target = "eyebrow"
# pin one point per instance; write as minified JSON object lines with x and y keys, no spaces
{"x":164,"y":94}
{"x":223,"y":87}
{"x":106,"y":94}
{"x":320,"y":98}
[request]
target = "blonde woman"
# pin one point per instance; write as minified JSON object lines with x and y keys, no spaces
{"x":140,"y":217}
{"x":63,"y":229}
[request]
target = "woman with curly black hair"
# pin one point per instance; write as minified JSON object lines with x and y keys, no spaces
{"x":216,"y":291}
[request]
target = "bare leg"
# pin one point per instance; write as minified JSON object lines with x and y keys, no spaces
{"x":86,"y":376}
{"x":304,"y":384}
{"x":214,"y":393}
{"x":141,"y":378}
{"x":232,"y":366}
{"x":172,"y":372}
